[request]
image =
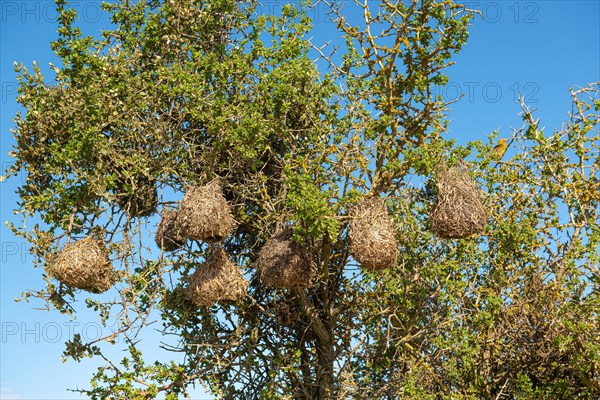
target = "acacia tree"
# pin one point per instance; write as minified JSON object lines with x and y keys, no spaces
{"x":181,"y":92}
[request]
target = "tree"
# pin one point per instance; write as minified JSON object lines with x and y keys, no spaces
{"x":181,"y":92}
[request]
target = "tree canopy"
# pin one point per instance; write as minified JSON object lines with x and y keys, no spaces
{"x":181,"y":93}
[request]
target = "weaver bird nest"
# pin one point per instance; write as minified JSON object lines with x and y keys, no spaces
{"x":84,"y":264}
{"x":216,"y":280}
{"x":372,"y":240}
{"x":168,"y":235}
{"x":137,"y":195}
{"x":458,"y":210}
{"x":282,"y":263}
{"x":204,"y":213}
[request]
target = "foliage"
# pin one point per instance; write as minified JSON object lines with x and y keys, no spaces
{"x":180,"y":92}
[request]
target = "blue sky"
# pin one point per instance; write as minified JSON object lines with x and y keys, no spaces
{"x":537,"y":48}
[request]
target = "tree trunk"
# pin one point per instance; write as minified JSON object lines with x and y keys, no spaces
{"x":325,"y":357}
{"x":324,"y":348}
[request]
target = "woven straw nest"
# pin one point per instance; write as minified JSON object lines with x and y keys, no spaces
{"x":216,"y":280}
{"x":168,"y":235}
{"x":204,"y":213}
{"x":372,"y":240}
{"x":282,"y":263}
{"x":458,"y":211}
{"x":137,"y":195}
{"x":84,"y":264}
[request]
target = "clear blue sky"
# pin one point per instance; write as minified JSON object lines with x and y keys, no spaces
{"x":537,"y":48}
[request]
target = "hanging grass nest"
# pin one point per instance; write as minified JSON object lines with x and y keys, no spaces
{"x":217,"y":279}
{"x":84,"y":264}
{"x":282,"y":263}
{"x":137,"y":195}
{"x":372,"y":240}
{"x":204,"y":213}
{"x":168,"y":235}
{"x":458,"y":211}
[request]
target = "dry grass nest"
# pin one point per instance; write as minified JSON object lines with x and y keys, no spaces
{"x":216,"y":280}
{"x":168,"y":235}
{"x":282,"y":263}
{"x":204,"y":213}
{"x":372,"y":240}
{"x":137,"y":195}
{"x":458,"y":211}
{"x":84,"y":264}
